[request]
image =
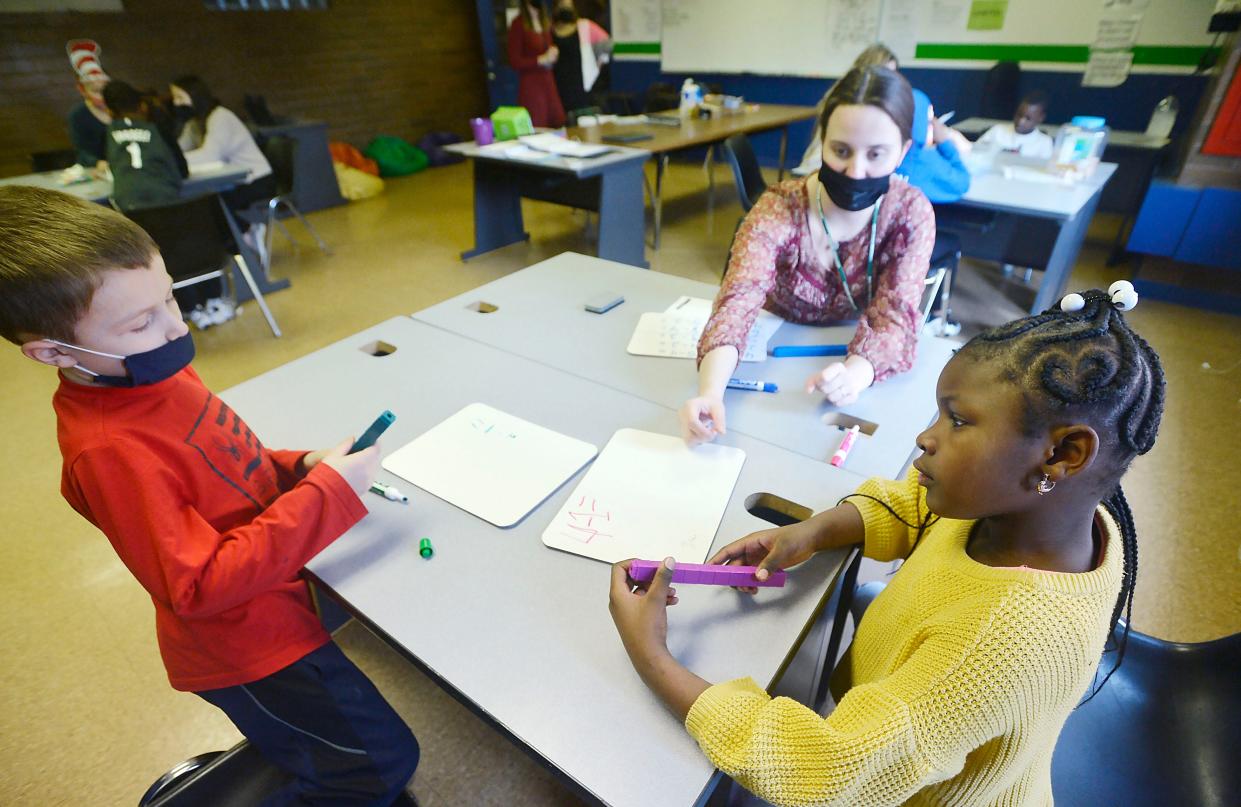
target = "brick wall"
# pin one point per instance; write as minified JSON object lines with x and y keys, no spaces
{"x":367,"y":67}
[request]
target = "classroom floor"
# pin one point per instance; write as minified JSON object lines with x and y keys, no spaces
{"x":86,"y":712}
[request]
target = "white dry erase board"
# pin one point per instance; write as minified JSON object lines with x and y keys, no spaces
{"x":648,"y":496}
{"x":489,"y":463}
{"x":674,"y":333}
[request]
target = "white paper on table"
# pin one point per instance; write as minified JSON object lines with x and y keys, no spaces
{"x":209,"y":167}
{"x":490,"y":463}
{"x":674,"y":333}
{"x":514,"y":150}
{"x":563,"y":147}
{"x":648,"y":496}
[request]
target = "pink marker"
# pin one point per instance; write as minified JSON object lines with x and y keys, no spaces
{"x":643,"y":571}
{"x":846,"y":445}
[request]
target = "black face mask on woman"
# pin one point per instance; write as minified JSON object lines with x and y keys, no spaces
{"x":848,"y":193}
{"x":565,"y":15}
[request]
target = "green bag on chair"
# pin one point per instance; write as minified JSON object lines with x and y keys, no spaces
{"x":396,"y":157}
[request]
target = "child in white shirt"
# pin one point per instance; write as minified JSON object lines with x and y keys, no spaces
{"x":1023,"y":135}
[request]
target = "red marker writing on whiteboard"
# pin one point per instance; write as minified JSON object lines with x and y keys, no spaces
{"x":846,"y":445}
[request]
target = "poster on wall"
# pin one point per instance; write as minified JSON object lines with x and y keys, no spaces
{"x":636,"y":21}
{"x":1107,"y":68}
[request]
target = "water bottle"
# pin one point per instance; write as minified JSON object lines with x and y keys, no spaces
{"x":1163,"y":118}
{"x":1079,"y":145}
{"x":691,"y":96}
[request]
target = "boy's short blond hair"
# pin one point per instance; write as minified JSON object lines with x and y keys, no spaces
{"x":54,"y":249}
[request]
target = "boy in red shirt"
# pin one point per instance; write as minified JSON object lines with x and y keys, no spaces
{"x":215,"y":526}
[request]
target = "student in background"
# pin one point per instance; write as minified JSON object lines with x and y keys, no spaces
{"x":213,"y":133}
{"x":1023,"y":135}
{"x":877,"y":55}
{"x":934,"y":164}
{"x":218,"y":135}
{"x":213,"y":524}
{"x":584,"y":50}
{"x":533,"y":54}
{"x":146,"y":168}
{"x":1020,"y":557}
{"x":848,"y":242}
{"x":89,"y":118}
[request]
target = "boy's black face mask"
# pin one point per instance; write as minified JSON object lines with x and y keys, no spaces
{"x":149,"y":367}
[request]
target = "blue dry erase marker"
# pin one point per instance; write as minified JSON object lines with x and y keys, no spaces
{"x":753,"y":386}
{"x":789,"y":351}
{"x":377,"y":428}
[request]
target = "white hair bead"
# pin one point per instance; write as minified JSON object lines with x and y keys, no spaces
{"x":1125,"y":299}
{"x":1072,"y":302}
{"x":1119,"y":285}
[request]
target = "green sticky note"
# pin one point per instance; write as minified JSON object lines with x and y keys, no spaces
{"x":987,"y":15}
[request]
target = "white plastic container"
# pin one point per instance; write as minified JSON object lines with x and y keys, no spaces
{"x":691,"y":96}
{"x":1163,"y":118}
{"x":1079,"y":145}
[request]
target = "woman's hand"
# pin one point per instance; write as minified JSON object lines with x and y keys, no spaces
{"x":641,"y":615}
{"x":702,"y":419}
{"x":771,"y":550}
{"x":842,"y":382}
{"x":549,"y":56}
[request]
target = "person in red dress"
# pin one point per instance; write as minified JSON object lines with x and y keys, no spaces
{"x":532,"y":54}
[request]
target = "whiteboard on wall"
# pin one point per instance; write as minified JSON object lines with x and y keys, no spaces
{"x":772,"y":37}
{"x":820,"y":38}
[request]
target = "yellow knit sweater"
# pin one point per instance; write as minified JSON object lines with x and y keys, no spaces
{"x":961,"y":677}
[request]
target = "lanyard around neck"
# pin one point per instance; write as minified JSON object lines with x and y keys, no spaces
{"x":870,"y":252}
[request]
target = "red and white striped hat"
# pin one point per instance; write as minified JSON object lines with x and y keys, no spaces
{"x":84,"y":56}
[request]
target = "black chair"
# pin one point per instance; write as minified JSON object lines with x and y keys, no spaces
{"x":281,"y":152}
{"x":238,"y":777}
{"x":55,"y":160}
{"x":746,"y":173}
{"x":193,"y":238}
{"x":946,"y":254}
{"x":256,"y":108}
{"x":1166,"y":729}
{"x":660,"y":97}
{"x":1000,"y":90}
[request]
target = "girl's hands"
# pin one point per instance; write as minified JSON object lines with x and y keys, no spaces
{"x":641,"y":615}
{"x":702,"y":419}
{"x":771,"y":550}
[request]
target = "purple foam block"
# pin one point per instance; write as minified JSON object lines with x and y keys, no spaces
{"x":643,"y":571}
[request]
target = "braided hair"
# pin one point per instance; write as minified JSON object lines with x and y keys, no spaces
{"x":1089,"y":364}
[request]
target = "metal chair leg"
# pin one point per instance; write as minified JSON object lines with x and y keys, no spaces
{"x":323,"y":247}
{"x":258,"y":294}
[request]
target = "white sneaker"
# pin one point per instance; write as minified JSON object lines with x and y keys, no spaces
{"x":200,"y":318}
{"x":220,"y":310}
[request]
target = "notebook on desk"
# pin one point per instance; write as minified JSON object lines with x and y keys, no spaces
{"x":562,"y":147}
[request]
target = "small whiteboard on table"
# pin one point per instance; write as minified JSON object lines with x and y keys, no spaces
{"x":489,"y":463}
{"x":674,"y":333}
{"x":648,"y":496}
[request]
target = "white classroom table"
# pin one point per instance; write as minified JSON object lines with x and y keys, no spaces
{"x":540,"y":316}
{"x":213,"y":180}
{"x":518,"y":632}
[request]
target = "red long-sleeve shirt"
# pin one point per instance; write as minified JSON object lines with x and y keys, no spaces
{"x":215,"y":526}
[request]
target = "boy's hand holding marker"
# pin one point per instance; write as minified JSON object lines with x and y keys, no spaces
{"x":357,"y":469}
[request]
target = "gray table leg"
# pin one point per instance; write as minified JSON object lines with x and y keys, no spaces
{"x":1063,"y":256}
{"x":497,"y":209}
{"x":661,"y":164}
{"x":622,"y":216}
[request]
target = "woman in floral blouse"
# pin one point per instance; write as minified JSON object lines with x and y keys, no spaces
{"x":852,"y":219}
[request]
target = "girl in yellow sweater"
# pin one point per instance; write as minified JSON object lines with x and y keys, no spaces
{"x":964,"y":669}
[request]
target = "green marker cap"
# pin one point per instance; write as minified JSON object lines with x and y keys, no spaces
{"x":425,"y":549}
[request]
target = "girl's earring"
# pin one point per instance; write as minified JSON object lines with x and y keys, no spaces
{"x":1045,"y":485}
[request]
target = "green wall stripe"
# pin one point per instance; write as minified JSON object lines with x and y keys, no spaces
{"x":636,"y":47}
{"x":1168,"y":55}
